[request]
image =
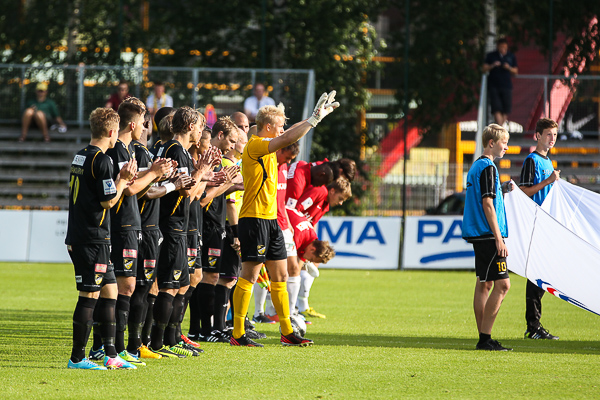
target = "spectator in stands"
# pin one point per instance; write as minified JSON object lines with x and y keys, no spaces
{"x":115,"y":99}
{"x":501,"y":65}
{"x":253,"y":103}
{"x":43,"y":111}
{"x":158,"y":100}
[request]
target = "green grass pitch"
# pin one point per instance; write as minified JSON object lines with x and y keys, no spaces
{"x":388,"y":335}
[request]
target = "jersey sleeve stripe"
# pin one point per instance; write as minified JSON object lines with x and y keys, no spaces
{"x":94,"y":159}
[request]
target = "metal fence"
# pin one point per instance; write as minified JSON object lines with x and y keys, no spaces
{"x":78,"y":90}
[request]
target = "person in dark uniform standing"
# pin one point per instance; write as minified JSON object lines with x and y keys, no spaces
{"x":502,"y":65}
{"x":93,"y":191}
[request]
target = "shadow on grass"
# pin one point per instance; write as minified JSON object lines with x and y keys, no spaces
{"x":447,"y":343}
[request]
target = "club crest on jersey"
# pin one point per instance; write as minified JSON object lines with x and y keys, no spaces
{"x":130,"y":253}
{"x":177,"y":274}
{"x":192,"y":252}
{"x":214,"y":252}
{"x":149,"y":273}
{"x":78,"y":279}
{"x":191,"y":262}
{"x":98,"y":279}
{"x":100,"y":268}
{"x":261,"y":249}
{"x":127,"y":263}
{"x":212,"y":261}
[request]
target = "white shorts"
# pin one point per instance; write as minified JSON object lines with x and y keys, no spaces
{"x":290,"y":245}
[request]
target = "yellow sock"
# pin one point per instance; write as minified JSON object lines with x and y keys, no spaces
{"x":279,"y":296}
{"x":241,"y":301}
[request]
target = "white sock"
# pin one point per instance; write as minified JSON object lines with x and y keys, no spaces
{"x":260,"y":295}
{"x":306,"y":281}
{"x":293,"y":287}
{"x":269,"y":307}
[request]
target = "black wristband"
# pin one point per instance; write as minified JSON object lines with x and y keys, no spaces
{"x":234,"y":229}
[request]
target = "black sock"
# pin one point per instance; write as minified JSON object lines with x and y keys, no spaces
{"x":136,"y":318}
{"x":207,"y":306}
{"x":171,"y":330}
{"x":122,"y":315}
{"x":82,"y":325}
{"x":194,"y":314}
{"x":186,"y":301}
{"x":107,"y":325}
{"x":163,"y":308}
{"x":484,"y":337}
{"x":97,"y":335}
{"x":148,"y":319}
{"x":221,"y":302}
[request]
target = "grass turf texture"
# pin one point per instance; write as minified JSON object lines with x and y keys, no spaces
{"x":388,"y":334}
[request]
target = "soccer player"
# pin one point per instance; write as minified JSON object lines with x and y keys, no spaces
{"x":308,"y":246}
{"x":484,"y":225}
{"x":261,"y":238}
{"x":214,"y":290}
{"x":314,"y":203}
{"x":284,"y":157}
{"x":173,"y":274}
{"x":92,"y":192}
{"x":125,"y":218}
{"x":537,"y":177}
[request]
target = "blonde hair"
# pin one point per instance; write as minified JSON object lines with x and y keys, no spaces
{"x":323,"y":250}
{"x":341,"y":185}
{"x":102,"y":120}
{"x":493,"y":132}
{"x":267,"y":114}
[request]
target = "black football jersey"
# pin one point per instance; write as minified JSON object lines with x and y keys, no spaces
{"x":149,"y":209}
{"x":215,"y":213}
{"x":125,"y":215}
{"x":90,"y":184}
{"x":175,"y":208}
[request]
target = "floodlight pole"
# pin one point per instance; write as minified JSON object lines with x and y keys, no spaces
{"x":405,"y":116}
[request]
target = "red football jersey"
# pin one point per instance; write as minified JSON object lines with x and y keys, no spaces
{"x":304,"y":232}
{"x":281,"y":190}
{"x":299,"y":180}
{"x":313,"y":203}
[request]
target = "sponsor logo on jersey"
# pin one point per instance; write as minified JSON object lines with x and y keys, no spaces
{"x":192,"y":252}
{"x":69,"y":247}
{"x":127,"y":263}
{"x":212,"y":261}
{"x":149,"y":263}
{"x":109,"y":187}
{"x":122,"y":164}
{"x":99,"y":278}
{"x":100,"y":268}
{"x":214,"y":252}
{"x":282,"y":186}
{"x":184,"y":170}
{"x":292,"y":170}
{"x":130,"y":253}
{"x":261,"y":249}
{"x":160,"y":151}
{"x":307,"y":203}
{"x":79,"y":160}
{"x":177,"y":274}
{"x":78,"y":279}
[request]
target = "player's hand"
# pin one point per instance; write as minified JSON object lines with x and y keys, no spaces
{"x":231,"y":172}
{"x":324,"y":107}
{"x":218,"y":178}
{"x":554,"y":176}
{"x":236,"y":244}
{"x":507,"y":186}
{"x":128,"y":172}
{"x":161,"y":167}
{"x":496,"y":64}
{"x":501,"y":247}
{"x":183,"y":181}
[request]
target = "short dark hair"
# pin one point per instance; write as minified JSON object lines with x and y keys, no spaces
{"x":225,"y":125}
{"x":294,"y":148}
{"x":346,"y":166}
{"x":502,"y":40}
{"x":128,"y":111}
{"x":183,"y":117}
{"x":545,"y":123}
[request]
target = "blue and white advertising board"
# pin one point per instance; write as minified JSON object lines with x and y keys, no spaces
{"x":362,"y":242}
{"x":435,"y":242}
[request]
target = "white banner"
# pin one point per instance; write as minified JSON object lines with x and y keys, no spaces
{"x":435,"y":242}
{"x":14,"y":235}
{"x":47,"y":240}
{"x":362,"y":242}
{"x":542,"y":248}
